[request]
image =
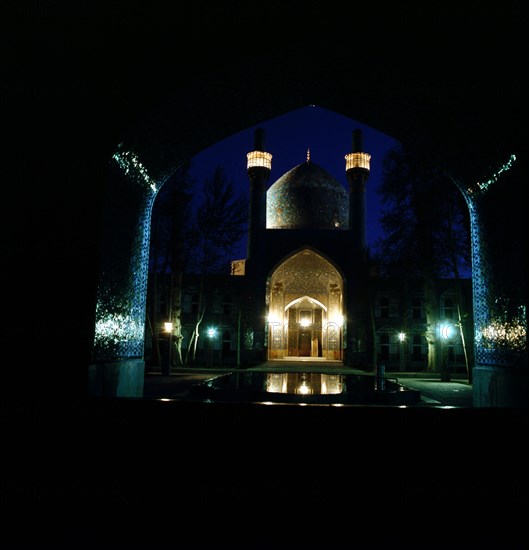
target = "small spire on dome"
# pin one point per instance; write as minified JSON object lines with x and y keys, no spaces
{"x":308,"y":154}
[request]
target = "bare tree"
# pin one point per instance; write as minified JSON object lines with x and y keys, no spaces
{"x":167,"y":260}
{"x":426,"y":232}
{"x":218,"y":226}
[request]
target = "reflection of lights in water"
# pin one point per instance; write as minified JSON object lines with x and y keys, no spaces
{"x":304,"y":389}
{"x":331,"y":383}
{"x":276,"y":383}
{"x":289,"y":383}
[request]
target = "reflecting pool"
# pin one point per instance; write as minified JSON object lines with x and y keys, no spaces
{"x":305,"y":387}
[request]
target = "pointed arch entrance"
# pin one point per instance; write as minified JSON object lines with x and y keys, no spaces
{"x":305,"y":308}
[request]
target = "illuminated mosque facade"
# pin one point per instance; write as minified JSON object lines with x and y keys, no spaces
{"x":305,"y":290}
{"x":305,"y":255}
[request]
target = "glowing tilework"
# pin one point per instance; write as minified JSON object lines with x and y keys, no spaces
{"x":307,"y":197}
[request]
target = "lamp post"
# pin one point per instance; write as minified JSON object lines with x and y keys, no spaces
{"x":212,"y":332}
{"x":166,"y":363}
{"x":402,"y":350}
{"x":446,"y":332}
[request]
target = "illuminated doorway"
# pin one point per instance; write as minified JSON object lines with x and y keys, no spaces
{"x":305,"y":308}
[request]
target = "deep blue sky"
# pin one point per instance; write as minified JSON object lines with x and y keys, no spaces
{"x":287,"y":138}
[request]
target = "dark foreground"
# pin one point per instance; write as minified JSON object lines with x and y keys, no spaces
{"x":154,"y":473}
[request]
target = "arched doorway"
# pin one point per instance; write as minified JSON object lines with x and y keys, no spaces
{"x":305,"y":308}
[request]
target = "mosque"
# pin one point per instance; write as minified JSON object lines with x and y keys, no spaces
{"x":305,"y":256}
{"x":305,"y":289}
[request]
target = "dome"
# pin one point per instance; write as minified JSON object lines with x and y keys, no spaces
{"x":307,"y":197}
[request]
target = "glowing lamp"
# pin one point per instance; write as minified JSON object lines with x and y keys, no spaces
{"x":211,"y":332}
{"x":447,"y":331}
{"x":259,"y":159}
{"x":338,"y":319}
{"x":168,"y":326}
{"x":273,"y":318}
{"x":357,"y":160}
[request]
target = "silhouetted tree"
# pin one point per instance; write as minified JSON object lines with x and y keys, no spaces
{"x":167,"y":260}
{"x":218,"y":226}
{"x":426,"y":231}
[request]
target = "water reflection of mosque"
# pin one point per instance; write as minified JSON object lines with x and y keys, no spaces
{"x":303,"y":383}
{"x":304,"y":387}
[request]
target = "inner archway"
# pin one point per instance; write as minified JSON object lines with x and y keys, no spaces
{"x":305,"y":311}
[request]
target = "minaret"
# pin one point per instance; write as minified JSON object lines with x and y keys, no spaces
{"x":258,"y":168}
{"x":357,"y":167}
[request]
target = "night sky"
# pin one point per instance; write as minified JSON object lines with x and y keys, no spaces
{"x":327,"y":134}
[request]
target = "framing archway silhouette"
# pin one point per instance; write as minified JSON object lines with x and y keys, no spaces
{"x":123,"y":356}
{"x":467,"y":121}
{"x":82,"y":78}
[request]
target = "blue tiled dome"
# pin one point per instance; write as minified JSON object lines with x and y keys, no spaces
{"x":307,"y":197}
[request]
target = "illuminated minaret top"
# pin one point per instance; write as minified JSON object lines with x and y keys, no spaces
{"x":258,"y":157}
{"x":258,"y":168}
{"x":357,"y":159}
{"x":357,"y":168}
